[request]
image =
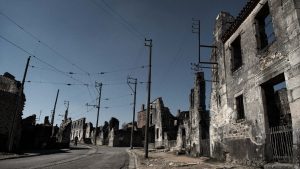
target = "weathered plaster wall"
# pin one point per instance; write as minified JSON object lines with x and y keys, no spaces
{"x":258,"y":67}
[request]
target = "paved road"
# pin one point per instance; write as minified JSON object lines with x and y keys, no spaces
{"x":75,"y":158}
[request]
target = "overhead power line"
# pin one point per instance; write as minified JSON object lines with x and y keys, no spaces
{"x":49,"y":47}
{"x":122,"y":70}
{"x":57,"y":83}
{"x":39,"y":59}
{"x":120,"y":18}
{"x":43,"y":43}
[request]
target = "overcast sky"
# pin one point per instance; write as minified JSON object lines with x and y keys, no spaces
{"x":87,"y":37}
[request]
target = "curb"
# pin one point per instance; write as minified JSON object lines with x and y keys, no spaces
{"x":133,"y":164}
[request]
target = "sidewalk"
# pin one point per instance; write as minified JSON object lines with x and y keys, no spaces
{"x":31,"y":153}
{"x":165,"y":160}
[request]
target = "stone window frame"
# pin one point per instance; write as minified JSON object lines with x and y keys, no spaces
{"x":264,"y":40}
{"x":240,"y":108}
{"x":236,"y":53}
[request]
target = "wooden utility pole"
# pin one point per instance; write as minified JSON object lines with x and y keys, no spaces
{"x":134,"y":102}
{"x":98,"y":109}
{"x":53,"y":113}
{"x":67,"y":103}
{"x":148,"y":43}
{"x":100,"y":90}
{"x":18,"y":100}
{"x":196,"y":29}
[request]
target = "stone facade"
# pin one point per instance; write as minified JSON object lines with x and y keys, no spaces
{"x":255,"y":52}
{"x":78,"y":129}
{"x":9,"y":89}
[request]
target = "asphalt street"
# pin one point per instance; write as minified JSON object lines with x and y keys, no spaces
{"x":102,"y":157}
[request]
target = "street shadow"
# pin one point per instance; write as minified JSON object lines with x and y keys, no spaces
{"x":79,"y":148}
{"x":37,"y":152}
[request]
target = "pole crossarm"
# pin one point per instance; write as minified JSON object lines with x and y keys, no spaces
{"x":208,"y":46}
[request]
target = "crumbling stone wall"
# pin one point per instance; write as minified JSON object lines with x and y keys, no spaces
{"x":64,"y":133}
{"x":141,"y":119}
{"x":281,"y":57}
{"x":196,"y":114}
{"x":9,"y":89}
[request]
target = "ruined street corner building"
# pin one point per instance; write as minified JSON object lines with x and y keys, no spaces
{"x":255,"y":99}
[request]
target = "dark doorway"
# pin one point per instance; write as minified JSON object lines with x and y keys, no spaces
{"x":276,"y":102}
{"x":279,"y":119}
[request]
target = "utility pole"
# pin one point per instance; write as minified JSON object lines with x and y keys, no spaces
{"x":196,"y":28}
{"x":53,"y":113}
{"x":18,"y":100}
{"x":148,"y":43}
{"x":67,"y":111}
{"x":98,"y":111}
{"x":134,"y":102}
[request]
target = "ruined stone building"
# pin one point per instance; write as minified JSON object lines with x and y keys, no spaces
{"x":255,"y":103}
{"x":78,"y":129}
{"x":121,"y":137}
{"x":161,"y":123}
{"x":64,"y":132}
{"x":113,"y":129}
{"x":101,"y":135}
{"x":183,"y":130}
{"x":193,"y":125}
{"x":9,"y":89}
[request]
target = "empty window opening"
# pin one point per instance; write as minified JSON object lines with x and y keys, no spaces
{"x":265,"y":32}
{"x":276,"y":102}
{"x":236,"y":53}
{"x":157,"y":133}
{"x":240,"y":107}
{"x":183,"y":133}
{"x":219,"y":100}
